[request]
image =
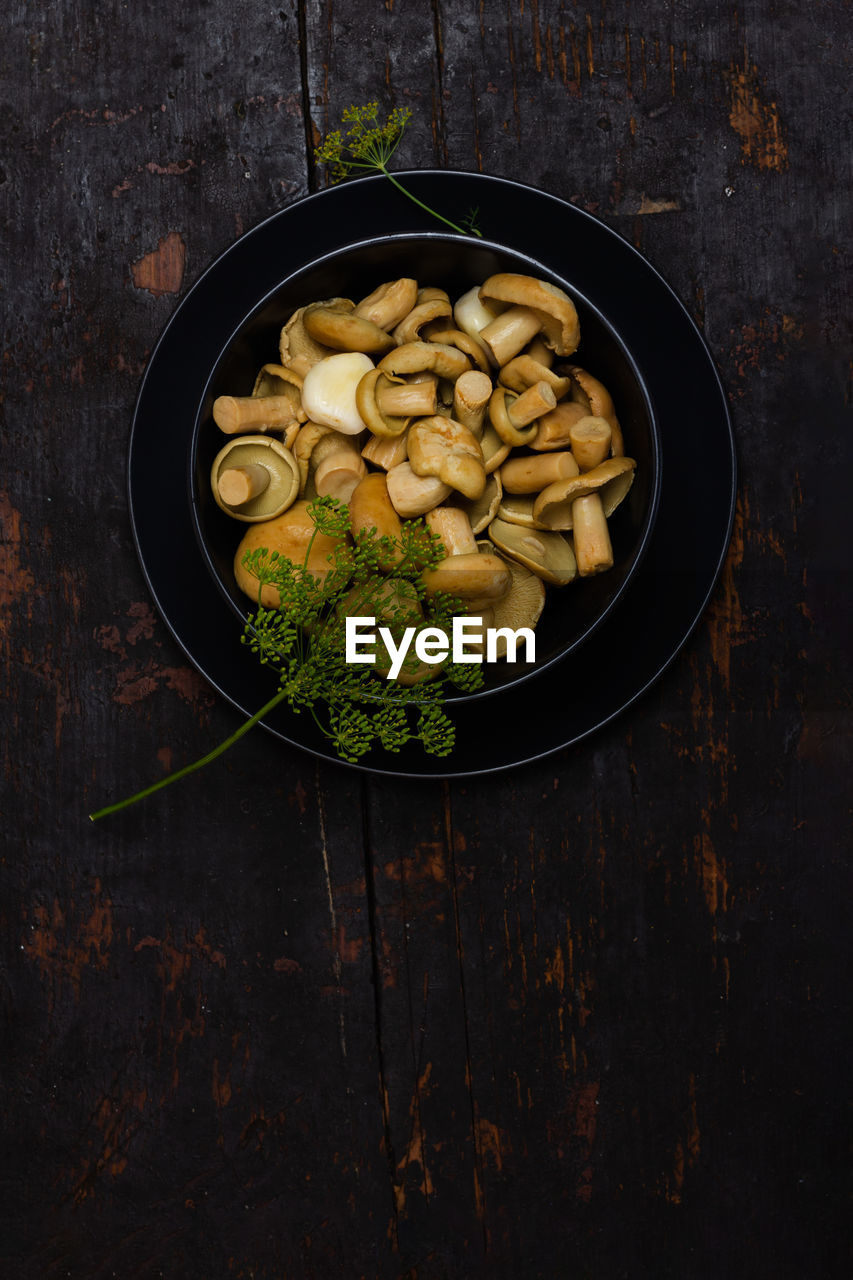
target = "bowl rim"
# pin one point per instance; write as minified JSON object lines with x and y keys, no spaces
{"x":201,"y":419}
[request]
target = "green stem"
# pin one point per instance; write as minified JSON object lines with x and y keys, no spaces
{"x":198,"y":764}
{"x":433,"y":212}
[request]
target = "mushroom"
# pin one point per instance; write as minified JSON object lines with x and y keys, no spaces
{"x":297,"y":349}
{"x":236,"y":414}
{"x":418,"y":357}
{"x":303,"y":446}
{"x":337,"y":466}
{"x":413,"y":495}
{"x":472,"y":347}
{"x":452,"y":525}
{"x":509,"y":332}
{"x":343,"y":330}
{"x":538,"y":351}
{"x":471,"y":393}
{"x":531,"y":474}
{"x":558,"y":319}
{"x":329,"y":391}
{"x":514,"y":417}
{"x":517,"y":508}
{"x":590,"y":439}
{"x":523,"y":371}
{"x":583,"y":505}
{"x":494,"y":450}
{"x":522,"y":605}
{"x":386,"y":451}
{"x":471,"y":314}
{"x":387,"y":404}
{"x":370,"y":507}
{"x":296,"y":538}
{"x":474,"y":579}
{"x":254,"y":478}
{"x":432,"y":304}
{"x":554,"y":428}
{"x":596,"y":401}
{"x":548,"y":555}
{"x":440,"y":447}
{"x":390,"y":303}
{"x":482,"y":510}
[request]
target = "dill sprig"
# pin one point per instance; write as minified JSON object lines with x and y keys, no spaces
{"x":303,"y":640}
{"x":367,"y":146}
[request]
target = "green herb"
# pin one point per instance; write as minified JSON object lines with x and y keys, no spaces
{"x":367,"y":146}
{"x":303,"y":641}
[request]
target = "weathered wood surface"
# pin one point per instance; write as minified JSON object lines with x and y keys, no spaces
{"x":589,"y":1018}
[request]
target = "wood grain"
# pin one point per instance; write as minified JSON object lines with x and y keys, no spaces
{"x":587,"y":1018}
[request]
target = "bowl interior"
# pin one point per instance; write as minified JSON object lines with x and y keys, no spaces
{"x":454,"y":263}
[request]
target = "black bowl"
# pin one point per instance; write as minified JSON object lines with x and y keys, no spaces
{"x":455,"y":263}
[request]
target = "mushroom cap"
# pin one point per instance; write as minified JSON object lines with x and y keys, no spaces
{"x":611,"y":479}
{"x":522,"y":605}
{"x":596,"y":399}
{"x":390,"y":303}
{"x":367,"y":404}
{"x":553,"y":429}
{"x":276,"y":380}
{"x":494,"y":450}
{"x":440,"y":447}
{"x":499,"y":417}
{"x":416,"y":357}
{"x":295,"y":342}
{"x":517,"y":508}
{"x":474,"y":578}
{"x":277,"y":461}
{"x":344,"y":330}
{"x":432,"y":304}
{"x":370,"y":507}
{"x":548,"y":555}
{"x":289,"y":534}
{"x":523,"y":371}
{"x":329,"y":391}
{"x":414,"y":495}
{"x":481,"y":511}
{"x":560,"y":326}
{"x":471,"y":347}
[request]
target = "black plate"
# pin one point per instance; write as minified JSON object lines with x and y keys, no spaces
{"x":456,"y":263}
{"x":661,"y":605}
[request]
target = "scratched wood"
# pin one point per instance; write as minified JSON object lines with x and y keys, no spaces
{"x":588,"y":1018}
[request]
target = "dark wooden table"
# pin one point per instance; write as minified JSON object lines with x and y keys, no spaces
{"x":588,"y":1018}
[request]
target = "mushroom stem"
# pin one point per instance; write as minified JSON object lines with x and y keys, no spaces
{"x":514,"y":425}
{"x":240,"y":484}
{"x":386,"y":451}
{"x":235,"y":414}
{"x":593,"y":549}
{"x":553,"y":430}
{"x":452,"y":525}
{"x":338,"y":467}
{"x":531,"y":404}
{"x":509,"y":332}
{"x":532,"y":474}
{"x":590,"y":439}
{"x":407,"y":399}
{"x":470,"y":400}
